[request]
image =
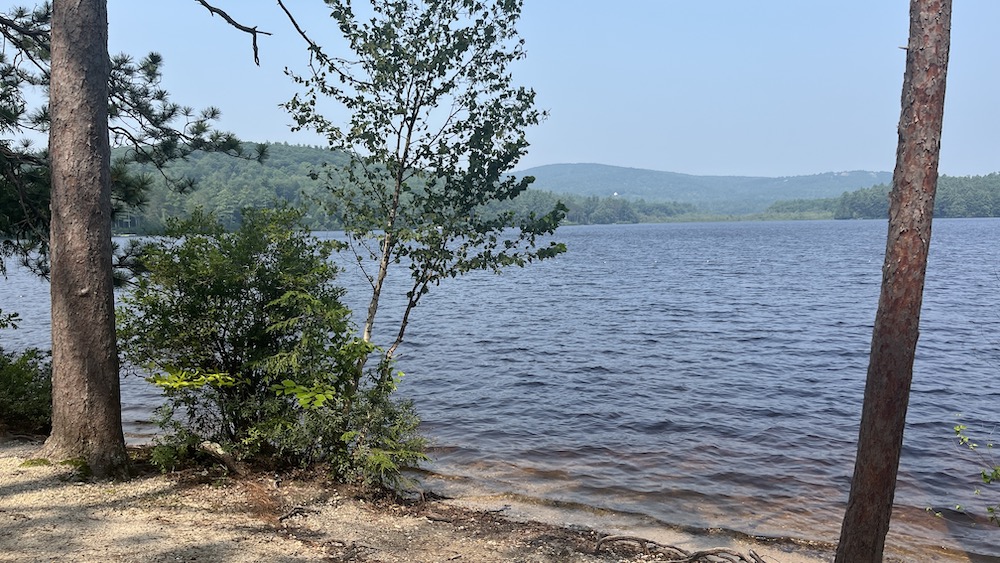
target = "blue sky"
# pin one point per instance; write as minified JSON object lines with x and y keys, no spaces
{"x":722,"y":87}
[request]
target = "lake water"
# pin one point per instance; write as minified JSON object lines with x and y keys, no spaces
{"x":707,"y":375}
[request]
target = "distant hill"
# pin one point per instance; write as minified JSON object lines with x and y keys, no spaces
{"x":713,"y":194}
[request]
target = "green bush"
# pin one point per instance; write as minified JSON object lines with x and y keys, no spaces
{"x":25,"y":392}
{"x":246,"y":335}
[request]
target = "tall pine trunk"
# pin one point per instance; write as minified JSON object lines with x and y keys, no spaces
{"x":894,"y":339}
{"x":86,"y":413}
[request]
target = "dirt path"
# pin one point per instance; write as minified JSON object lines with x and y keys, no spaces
{"x":47,"y":513}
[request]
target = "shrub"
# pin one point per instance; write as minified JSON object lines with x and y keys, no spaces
{"x":246,"y":335}
{"x":25,"y":392}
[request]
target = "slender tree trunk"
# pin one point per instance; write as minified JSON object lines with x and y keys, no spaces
{"x":86,"y":417}
{"x":383,"y":269}
{"x":894,"y":340}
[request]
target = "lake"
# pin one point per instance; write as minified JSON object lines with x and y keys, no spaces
{"x":707,"y":375}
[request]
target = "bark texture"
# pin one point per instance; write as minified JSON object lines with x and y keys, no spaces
{"x":86,"y":417}
{"x":894,"y":339}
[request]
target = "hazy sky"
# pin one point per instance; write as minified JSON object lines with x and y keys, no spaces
{"x":766,"y":88}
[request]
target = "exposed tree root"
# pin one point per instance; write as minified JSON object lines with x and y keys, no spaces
{"x":224,"y":457}
{"x":679,"y":555}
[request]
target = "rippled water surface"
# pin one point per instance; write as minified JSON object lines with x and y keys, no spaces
{"x":706,"y":375}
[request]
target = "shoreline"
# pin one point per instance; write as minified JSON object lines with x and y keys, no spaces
{"x":48,"y":513}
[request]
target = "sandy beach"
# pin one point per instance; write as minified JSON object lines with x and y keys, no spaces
{"x":50,"y":513}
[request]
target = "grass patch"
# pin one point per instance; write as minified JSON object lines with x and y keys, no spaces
{"x":36,"y":462}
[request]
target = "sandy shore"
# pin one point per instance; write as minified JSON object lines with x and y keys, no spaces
{"x":48,"y":513}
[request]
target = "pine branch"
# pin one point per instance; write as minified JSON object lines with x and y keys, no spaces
{"x":6,"y":23}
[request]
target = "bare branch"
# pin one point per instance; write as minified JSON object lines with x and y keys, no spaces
{"x":253,"y":31}
{"x":315,"y":48}
{"x":295,"y":23}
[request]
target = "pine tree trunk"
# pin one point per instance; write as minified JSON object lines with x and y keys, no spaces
{"x":86,"y":417}
{"x":894,"y":339}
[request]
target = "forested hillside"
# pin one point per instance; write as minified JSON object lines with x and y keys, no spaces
{"x":224,"y":185}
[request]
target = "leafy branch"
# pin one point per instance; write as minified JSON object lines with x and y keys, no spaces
{"x":991,"y":467}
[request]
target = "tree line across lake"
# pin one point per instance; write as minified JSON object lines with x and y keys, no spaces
{"x":957,"y":196}
{"x":225,"y":186}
